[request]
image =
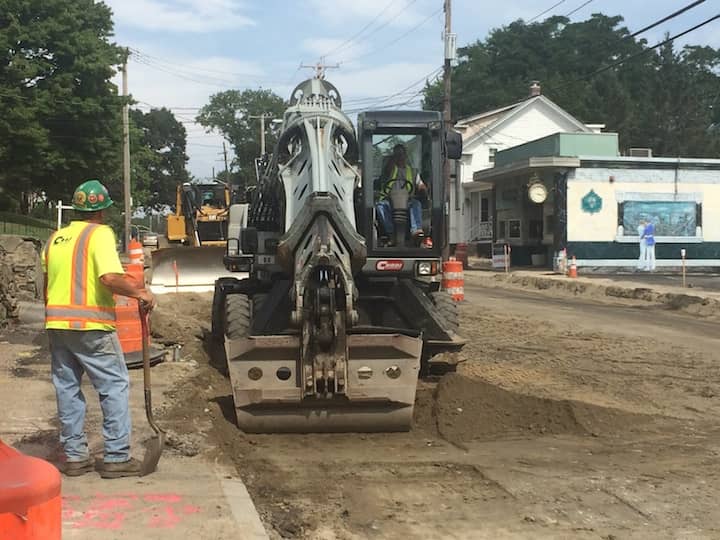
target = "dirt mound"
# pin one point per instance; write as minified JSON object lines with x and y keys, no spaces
{"x":181,"y":318}
{"x":465,"y":409}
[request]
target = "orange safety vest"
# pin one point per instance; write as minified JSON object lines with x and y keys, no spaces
{"x":75,"y":300}
{"x":393,"y":176}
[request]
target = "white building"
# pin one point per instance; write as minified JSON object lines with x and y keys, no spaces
{"x":485,"y":134}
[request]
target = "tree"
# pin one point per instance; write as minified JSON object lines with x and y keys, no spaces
{"x":61,"y":114}
{"x":660,"y":98}
{"x":158,"y":157}
{"x":229,"y":113}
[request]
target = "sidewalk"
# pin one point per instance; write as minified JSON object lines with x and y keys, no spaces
{"x":701,"y":298}
{"x":189,"y":496}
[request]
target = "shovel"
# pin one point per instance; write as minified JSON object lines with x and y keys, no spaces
{"x":154,"y":446}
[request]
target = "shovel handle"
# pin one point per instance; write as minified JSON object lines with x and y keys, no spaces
{"x":147,"y":381}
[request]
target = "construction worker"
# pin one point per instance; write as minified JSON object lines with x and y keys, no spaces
{"x":400,"y":171}
{"x":82,"y":272}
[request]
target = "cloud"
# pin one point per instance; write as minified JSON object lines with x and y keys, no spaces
{"x":184,"y":90}
{"x":180,"y":15}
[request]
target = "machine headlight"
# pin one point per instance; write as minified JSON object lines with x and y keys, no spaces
{"x":426,"y":268}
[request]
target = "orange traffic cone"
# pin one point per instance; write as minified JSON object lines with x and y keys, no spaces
{"x":135,"y":251}
{"x":572,"y":272}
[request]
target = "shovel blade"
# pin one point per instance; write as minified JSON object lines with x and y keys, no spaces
{"x":153,"y":449}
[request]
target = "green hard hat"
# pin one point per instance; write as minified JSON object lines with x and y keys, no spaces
{"x":91,"y":196}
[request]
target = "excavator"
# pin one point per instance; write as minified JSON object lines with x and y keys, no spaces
{"x":200,"y":222}
{"x":335,"y":319}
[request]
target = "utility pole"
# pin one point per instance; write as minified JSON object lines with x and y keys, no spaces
{"x":126,"y":152}
{"x":213,"y":173}
{"x":449,"y":42}
{"x":227,"y":173}
{"x":262,"y":118}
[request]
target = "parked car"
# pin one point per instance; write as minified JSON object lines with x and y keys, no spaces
{"x":149,"y":239}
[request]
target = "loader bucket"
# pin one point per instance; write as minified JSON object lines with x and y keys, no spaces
{"x":188,"y":269}
{"x":380,"y":395}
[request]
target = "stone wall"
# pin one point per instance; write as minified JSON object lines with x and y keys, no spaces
{"x":20,"y":272}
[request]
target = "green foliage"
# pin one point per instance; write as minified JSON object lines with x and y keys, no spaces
{"x":229,"y":114}
{"x":664,"y":99}
{"x":61,"y":114}
{"x":158,"y":158}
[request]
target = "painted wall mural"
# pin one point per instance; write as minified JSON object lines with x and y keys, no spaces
{"x":671,"y":218}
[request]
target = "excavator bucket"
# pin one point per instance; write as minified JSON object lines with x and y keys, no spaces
{"x":188,"y":269}
{"x":267,"y":382}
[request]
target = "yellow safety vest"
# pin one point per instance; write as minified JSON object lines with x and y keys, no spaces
{"x":393,"y":176}
{"x":74,"y":258}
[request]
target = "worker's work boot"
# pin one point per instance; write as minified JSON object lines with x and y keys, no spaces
{"x":131,"y":467}
{"x":77,"y":468}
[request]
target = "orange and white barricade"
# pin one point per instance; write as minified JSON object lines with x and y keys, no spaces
{"x":453,"y":280}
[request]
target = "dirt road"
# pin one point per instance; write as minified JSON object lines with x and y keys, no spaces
{"x":568,"y":419}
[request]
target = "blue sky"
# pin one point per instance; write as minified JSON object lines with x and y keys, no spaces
{"x":186,"y":50}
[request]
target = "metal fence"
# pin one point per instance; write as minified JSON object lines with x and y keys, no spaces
{"x":25,"y":226}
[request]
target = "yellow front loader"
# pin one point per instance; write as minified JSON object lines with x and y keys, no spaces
{"x":200,"y":223}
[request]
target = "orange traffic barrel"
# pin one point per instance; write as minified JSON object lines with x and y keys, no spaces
{"x":135,"y":252}
{"x":461,"y":254}
{"x":30,"y":500}
{"x":452,"y":279}
{"x":127,"y":319}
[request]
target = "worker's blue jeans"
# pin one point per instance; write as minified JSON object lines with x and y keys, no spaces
{"x":97,"y":353}
{"x":384,"y":215}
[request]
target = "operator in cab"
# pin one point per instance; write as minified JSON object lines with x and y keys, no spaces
{"x":399,"y":171}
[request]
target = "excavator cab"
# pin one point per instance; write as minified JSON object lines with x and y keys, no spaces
{"x":401,"y":204}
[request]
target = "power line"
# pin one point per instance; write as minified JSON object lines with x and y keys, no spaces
{"x":671,"y":16}
{"x":391,"y":19}
{"x":157,"y":59}
{"x":357,"y":34}
{"x":578,"y":8}
{"x":546,"y":11}
{"x":647,"y":50}
{"x":636,"y":55}
{"x":390,"y":43}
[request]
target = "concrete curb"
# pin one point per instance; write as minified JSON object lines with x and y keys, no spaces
{"x":703,"y":305}
{"x":241,"y":505}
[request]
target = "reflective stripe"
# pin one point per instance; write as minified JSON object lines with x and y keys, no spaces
{"x":58,"y":312}
{"x":78,"y":283}
{"x":393,"y":177}
{"x":82,"y":321}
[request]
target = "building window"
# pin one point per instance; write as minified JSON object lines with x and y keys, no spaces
{"x":675,"y":221}
{"x":491,"y":157}
{"x":502,"y":230}
{"x":514,"y":229}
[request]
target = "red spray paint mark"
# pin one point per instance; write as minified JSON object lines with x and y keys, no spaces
{"x":111,"y":512}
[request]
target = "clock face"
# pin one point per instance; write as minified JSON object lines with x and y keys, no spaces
{"x":537,"y":193}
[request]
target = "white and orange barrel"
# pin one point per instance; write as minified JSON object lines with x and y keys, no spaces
{"x":127,"y":318}
{"x":135,"y":252}
{"x":453,"y":281}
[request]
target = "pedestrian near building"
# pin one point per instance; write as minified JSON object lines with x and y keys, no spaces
{"x":643,"y":245}
{"x":649,"y":237}
{"x":82,"y":272}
